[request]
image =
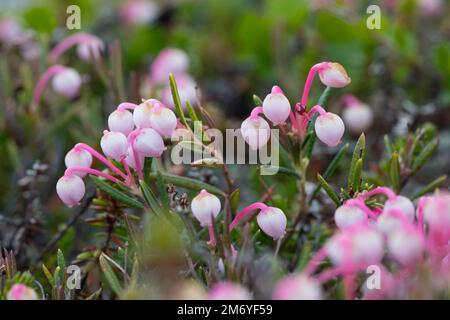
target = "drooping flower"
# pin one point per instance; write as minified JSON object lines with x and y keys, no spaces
{"x":114,"y":145}
{"x":333,"y":74}
{"x":298,"y":287}
{"x":90,"y":49}
{"x":70,"y":189}
{"x":78,"y":157}
{"x":169,"y":60}
{"x":205,"y":206}
{"x":21,"y":292}
{"x":402,"y":204}
{"x":348,"y":215}
{"x":67,"y":83}
{"x":255,"y":131}
{"x":329,"y":128}
{"x":121,"y":121}
{"x":276,"y":106}
{"x":406,"y":244}
{"x":143,"y":112}
{"x":138,"y":12}
{"x":149,"y":143}
{"x":272,"y":222}
{"x":357,"y":116}
{"x":228,"y":291}
{"x":163,"y":120}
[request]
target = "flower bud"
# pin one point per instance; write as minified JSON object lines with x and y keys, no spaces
{"x":149,"y":143}
{"x":129,"y":159}
{"x":204,"y":206}
{"x":272,"y":222}
{"x":402,"y":204}
{"x":70,"y":189}
{"x":143,"y":112}
{"x":21,"y":292}
{"x":138,"y":12}
{"x":114,"y":145}
{"x":358,"y":117}
{"x":90,"y":50}
{"x":298,"y":287}
{"x":256,"y":132}
{"x":406,"y":245}
{"x":437,"y":211}
{"x":362,"y":244}
{"x":186,"y":90}
{"x":348,"y":215}
{"x":163,"y":120}
{"x":329,"y":129}
{"x":276,"y":106}
{"x":78,"y":158}
{"x":334,"y":75}
{"x":228,"y":291}
{"x":67,"y":83}
{"x":121,"y":121}
{"x":169,"y":60}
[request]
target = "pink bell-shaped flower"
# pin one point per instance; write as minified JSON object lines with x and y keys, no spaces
{"x":406,"y":244}
{"x":333,"y":74}
{"x":402,"y":204}
{"x":131,"y":161}
{"x":67,"y":83}
{"x":114,"y":145}
{"x":272,"y":222}
{"x":298,"y":287}
{"x":163,"y":120}
{"x":169,"y":60}
{"x":256,"y":132}
{"x":78,"y":157}
{"x":228,"y":291}
{"x":21,"y":292}
{"x":204,"y":207}
{"x":90,"y":49}
{"x":149,"y":143}
{"x":142,"y":113}
{"x":348,"y":215}
{"x":121,"y":121}
{"x":276,"y":106}
{"x":329,"y":129}
{"x":70,"y":189}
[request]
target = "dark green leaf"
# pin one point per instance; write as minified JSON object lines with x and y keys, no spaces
{"x":328,"y":189}
{"x":116,"y":194}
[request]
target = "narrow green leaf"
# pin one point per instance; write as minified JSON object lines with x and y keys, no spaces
{"x":116,"y":194}
{"x":424,"y":155}
{"x":110,"y":276}
{"x":162,"y":190}
{"x":328,"y":189}
{"x":358,"y":153}
{"x":48,"y":275}
{"x":150,"y":198}
{"x":388,"y":145}
{"x":357,"y":175}
{"x":257,"y":101}
{"x":177,"y":101}
{"x":394,"y":172}
{"x":61,"y":264}
{"x":191,"y":112}
{"x":430,"y":187}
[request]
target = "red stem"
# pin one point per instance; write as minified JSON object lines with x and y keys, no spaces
{"x":254,"y":206}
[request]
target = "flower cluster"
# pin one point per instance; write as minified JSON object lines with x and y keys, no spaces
{"x":277,"y":109}
{"x":135,"y":132}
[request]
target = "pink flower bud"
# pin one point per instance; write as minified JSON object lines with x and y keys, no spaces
{"x":406,"y":245}
{"x":138,"y":12}
{"x":67,"y":83}
{"x":186,"y":89}
{"x":358,"y":117}
{"x":334,"y":75}
{"x":348,"y":215}
{"x":329,"y":129}
{"x":21,"y":292}
{"x":272,"y":222}
{"x":130,"y":159}
{"x":402,"y":204}
{"x":359,"y":245}
{"x":114,"y":145}
{"x":204,"y":206}
{"x":78,"y":158}
{"x":228,"y":291}
{"x":143,"y":112}
{"x":170,"y":60}
{"x":70,"y":189}
{"x":256,"y":132}
{"x":163,"y":120}
{"x":298,"y":287}
{"x":121,"y":121}
{"x":437,"y":211}
{"x":149,"y":143}
{"x":431,"y":7}
{"x":276,"y":106}
{"x":90,"y":50}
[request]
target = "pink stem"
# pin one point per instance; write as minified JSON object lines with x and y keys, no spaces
{"x":349,"y":277}
{"x":68,"y":42}
{"x":255,"y":112}
{"x":318,"y":109}
{"x":383,"y":190}
{"x":254,"y":206}
{"x":315,"y":261}
{"x":46,"y":76}
{"x":312,"y":73}
{"x":131,"y":139}
{"x":361,"y":205}
{"x":126,"y":106}
{"x":69,"y":171}
{"x":127,"y":170}
{"x":293,"y":120}
{"x":329,"y":274}
{"x":96,"y":154}
{"x":212,"y":239}
{"x":420,"y":218}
